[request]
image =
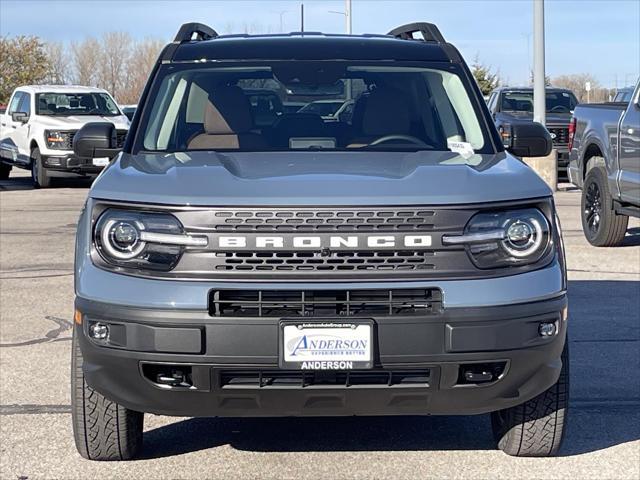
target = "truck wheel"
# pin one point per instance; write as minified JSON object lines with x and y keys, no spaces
{"x":4,"y":171}
{"x":536,"y":427}
{"x":103,"y":430}
{"x":602,"y":226}
{"x":39,"y":174}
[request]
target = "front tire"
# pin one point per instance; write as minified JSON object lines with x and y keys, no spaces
{"x":601,"y":225}
{"x":103,"y":430}
{"x":4,"y":171}
{"x":536,"y":427}
{"x":39,"y":174}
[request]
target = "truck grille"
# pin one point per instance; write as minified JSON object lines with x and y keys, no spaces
{"x":561,"y":135}
{"x":67,"y":143}
{"x":305,"y":379}
{"x":319,"y":303}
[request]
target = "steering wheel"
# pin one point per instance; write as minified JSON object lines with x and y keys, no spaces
{"x":408,"y":138}
{"x":559,"y":108}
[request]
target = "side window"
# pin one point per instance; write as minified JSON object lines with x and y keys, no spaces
{"x":15,"y":101}
{"x":25,"y":104}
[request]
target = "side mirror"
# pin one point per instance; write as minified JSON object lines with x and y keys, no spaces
{"x":527,"y":139}
{"x":96,"y":139}
{"x":21,"y":117}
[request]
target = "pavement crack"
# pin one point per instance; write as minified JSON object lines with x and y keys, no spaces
{"x":50,"y":336}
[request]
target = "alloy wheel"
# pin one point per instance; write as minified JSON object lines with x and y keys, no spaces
{"x":593,"y":208}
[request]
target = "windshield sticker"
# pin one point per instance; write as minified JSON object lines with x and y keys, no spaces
{"x":464,"y":149}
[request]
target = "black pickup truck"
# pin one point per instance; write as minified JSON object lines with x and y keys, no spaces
{"x":513,"y":104}
{"x":605,"y":163}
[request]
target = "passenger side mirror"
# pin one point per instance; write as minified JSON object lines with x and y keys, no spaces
{"x":21,"y":117}
{"x":96,"y":139}
{"x":527,"y":139}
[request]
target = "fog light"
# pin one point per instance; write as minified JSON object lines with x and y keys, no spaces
{"x":547,"y":329}
{"x":99,"y":331}
{"x":54,"y":161}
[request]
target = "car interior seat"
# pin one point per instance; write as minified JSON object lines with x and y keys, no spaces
{"x":228,"y":122}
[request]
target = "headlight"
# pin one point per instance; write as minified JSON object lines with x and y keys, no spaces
{"x":505,"y":238}
{"x":142,"y":240}
{"x":56,"y":139}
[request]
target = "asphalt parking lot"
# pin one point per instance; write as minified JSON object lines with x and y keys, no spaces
{"x":37,"y":229}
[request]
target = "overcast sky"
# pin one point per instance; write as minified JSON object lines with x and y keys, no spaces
{"x":583,"y":36}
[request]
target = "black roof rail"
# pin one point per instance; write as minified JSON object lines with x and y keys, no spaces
{"x":430,"y":33}
{"x":202,"y":32}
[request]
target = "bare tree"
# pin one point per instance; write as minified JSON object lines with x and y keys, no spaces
{"x":85,"y":58}
{"x":59,"y":63}
{"x":143,"y":56}
{"x":113,"y":59}
{"x":577,"y":83}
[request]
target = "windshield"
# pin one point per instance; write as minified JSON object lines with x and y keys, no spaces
{"x":68,"y":104}
{"x":394,"y":108}
{"x":557,"y":102}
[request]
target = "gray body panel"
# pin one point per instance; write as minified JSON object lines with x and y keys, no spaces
{"x":610,"y":131}
{"x":317,"y":179}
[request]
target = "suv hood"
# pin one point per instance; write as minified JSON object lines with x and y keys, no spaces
{"x":76,"y":122}
{"x":315,"y":179}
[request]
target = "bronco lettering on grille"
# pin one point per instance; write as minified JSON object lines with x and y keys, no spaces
{"x":332,"y":241}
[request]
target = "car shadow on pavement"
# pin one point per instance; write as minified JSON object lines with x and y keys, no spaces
{"x":25,"y":183}
{"x":604,"y":330}
{"x":632,"y":238}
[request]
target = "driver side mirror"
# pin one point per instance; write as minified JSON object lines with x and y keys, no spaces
{"x":527,"y":139}
{"x":21,"y":117}
{"x":96,"y":139}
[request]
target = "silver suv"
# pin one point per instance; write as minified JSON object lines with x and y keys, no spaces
{"x":398,"y":263}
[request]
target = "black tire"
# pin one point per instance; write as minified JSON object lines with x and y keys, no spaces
{"x":39,"y":174}
{"x":103,"y":430}
{"x":4,"y":171}
{"x":601,"y":225}
{"x":536,"y":427}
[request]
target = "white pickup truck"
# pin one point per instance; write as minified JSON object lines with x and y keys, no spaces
{"x":38,"y":126}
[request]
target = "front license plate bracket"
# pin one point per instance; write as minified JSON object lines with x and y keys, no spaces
{"x":326,"y":344}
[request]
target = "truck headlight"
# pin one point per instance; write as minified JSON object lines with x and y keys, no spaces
{"x":57,"y":139}
{"x":505,"y":238}
{"x":142,"y":240}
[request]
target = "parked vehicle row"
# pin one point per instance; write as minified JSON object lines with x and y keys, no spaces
{"x":37,"y":130}
{"x":404,"y":262}
{"x":605,"y":164}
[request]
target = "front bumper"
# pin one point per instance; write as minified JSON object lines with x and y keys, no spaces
{"x":69,"y":163}
{"x":215,"y":348}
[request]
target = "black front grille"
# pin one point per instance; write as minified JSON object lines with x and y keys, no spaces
{"x":366,"y":260}
{"x":325,"y":303}
{"x":561,"y":135}
{"x":337,"y":379}
{"x":121,"y":136}
{"x":67,"y":137}
{"x":309,"y":220}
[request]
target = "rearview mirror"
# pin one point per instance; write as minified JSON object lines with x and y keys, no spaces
{"x":21,"y":117}
{"x":96,"y":139}
{"x":527,"y":139}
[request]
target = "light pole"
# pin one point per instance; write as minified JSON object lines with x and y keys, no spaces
{"x":349,"y":30}
{"x":539,"y":103}
{"x":347,"y":17}
{"x":281,"y":13}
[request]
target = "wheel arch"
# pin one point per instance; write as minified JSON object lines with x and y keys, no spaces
{"x":592,"y":150}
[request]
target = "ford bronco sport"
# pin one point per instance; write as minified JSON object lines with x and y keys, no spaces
{"x":401,"y":263}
